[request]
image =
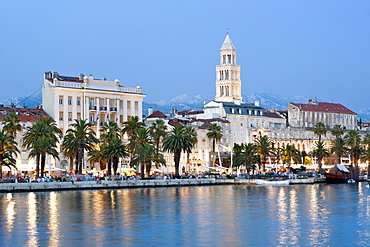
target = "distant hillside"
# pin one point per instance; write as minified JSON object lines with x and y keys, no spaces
{"x":186,"y":102}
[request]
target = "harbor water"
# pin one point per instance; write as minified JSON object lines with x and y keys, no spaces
{"x":229,"y":215}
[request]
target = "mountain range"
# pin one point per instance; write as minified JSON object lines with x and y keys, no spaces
{"x":191,"y":102}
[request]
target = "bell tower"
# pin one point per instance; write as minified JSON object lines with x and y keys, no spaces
{"x":228,"y":84}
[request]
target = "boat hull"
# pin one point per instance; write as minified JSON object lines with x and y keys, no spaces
{"x":268,"y":182}
{"x":336,"y":179}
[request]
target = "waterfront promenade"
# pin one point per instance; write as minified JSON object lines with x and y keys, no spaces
{"x":124,"y":184}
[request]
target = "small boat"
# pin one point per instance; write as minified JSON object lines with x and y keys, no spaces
{"x":272,"y":182}
{"x":341,"y":174}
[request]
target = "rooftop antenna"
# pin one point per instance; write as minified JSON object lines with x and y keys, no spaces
{"x":227,"y":31}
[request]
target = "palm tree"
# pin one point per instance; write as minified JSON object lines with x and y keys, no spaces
{"x":12,"y":124}
{"x":158,"y":132}
{"x":190,"y":131}
{"x":353,"y":140}
{"x":214,"y":133}
{"x":320,"y":152}
{"x":142,"y":139}
{"x":97,"y":156}
{"x":339,"y":148}
{"x":114,"y":151}
{"x":129,"y":128}
{"x":245,"y":154}
{"x":366,"y":140}
{"x":264,"y":149}
{"x":145,"y":154}
{"x":70,"y":149}
{"x":337,"y":130}
{"x":177,"y":142}
{"x":109,"y":131}
{"x":85,"y":139}
{"x":43,"y":147}
{"x":366,"y":157}
{"x":8,"y":147}
{"x":45,"y":130}
{"x":290,"y":153}
{"x":320,"y":129}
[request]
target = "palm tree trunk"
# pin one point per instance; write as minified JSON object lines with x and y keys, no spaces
{"x":71,"y":163}
{"x":213,"y":152}
{"x":142,"y":165}
{"x":115,"y":165}
{"x":37,"y":166}
{"x":109,"y":166}
{"x":43,"y":158}
{"x":148,"y":168}
{"x":177,"y":163}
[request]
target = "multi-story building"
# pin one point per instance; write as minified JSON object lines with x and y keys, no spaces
{"x":66,"y":98}
{"x":307,"y":115}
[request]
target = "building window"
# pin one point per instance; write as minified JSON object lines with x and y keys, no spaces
{"x":70,"y":116}
{"x":60,"y":116}
{"x":61,"y":100}
{"x":78,"y":102}
{"x":69,"y":100}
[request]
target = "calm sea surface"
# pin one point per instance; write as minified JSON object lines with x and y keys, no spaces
{"x":297,"y":215}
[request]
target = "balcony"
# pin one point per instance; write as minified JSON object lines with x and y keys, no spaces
{"x":113,"y":108}
{"x":102,"y":108}
{"x":92,"y":108}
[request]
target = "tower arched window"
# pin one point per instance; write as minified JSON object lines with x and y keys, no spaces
{"x":224,"y":59}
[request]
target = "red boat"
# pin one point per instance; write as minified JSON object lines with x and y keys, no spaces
{"x":341,"y":174}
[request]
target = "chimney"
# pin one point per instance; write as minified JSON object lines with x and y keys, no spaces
{"x":55,"y":74}
{"x":81,"y":77}
{"x":150,"y":110}
{"x":256,"y":103}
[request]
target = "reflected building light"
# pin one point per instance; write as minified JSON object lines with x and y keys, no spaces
{"x":54,"y":219}
{"x":32,"y":219}
{"x":10,"y":212}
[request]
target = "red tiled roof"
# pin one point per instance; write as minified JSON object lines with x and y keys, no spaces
{"x":174,"y":123}
{"x":25,"y":115}
{"x":158,"y":114}
{"x":324,"y":107}
{"x":271,"y":114}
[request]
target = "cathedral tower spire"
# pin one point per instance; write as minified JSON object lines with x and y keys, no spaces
{"x":228,"y":84}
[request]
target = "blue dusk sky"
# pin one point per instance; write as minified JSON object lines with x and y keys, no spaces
{"x":317,"y":48}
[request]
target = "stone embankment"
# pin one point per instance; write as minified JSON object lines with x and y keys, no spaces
{"x":52,"y":186}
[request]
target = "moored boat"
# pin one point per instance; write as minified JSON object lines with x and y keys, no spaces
{"x":341,"y":174}
{"x":272,"y":182}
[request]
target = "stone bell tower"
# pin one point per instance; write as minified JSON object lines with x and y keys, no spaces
{"x":228,"y":84}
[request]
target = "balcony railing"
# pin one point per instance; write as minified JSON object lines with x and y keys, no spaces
{"x":103,"y":108}
{"x":113,"y":108}
{"x":92,"y":108}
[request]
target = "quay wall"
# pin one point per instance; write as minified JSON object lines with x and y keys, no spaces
{"x":88,"y":185}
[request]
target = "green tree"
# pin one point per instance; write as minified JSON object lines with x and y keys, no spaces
{"x":353,"y":140}
{"x":97,"y":156}
{"x":145,"y":154}
{"x":85,"y":139}
{"x":320,"y":129}
{"x":215,"y":134}
{"x":142,"y":139}
{"x":190,"y":131}
{"x":109,"y":131}
{"x":320,"y":152}
{"x":177,"y":142}
{"x":158,"y":132}
{"x":245,"y":155}
{"x":264,"y":149}
{"x":46,"y":131}
{"x":366,"y":157}
{"x":69,"y":148}
{"x":366,"y":140}
{"x":11,"y":124}
{"x":8,"y":147}
{"x":339,"y":149}
{"x":114,"y":151}
{"x":290,"y":153}
{"x":130,"y":129}
{"x":337,"y":130}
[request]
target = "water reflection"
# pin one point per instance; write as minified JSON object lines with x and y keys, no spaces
{"x":210,"y":215}
{"x":33,"y":235}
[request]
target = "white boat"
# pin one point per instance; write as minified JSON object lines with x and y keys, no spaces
{"x":272,"y":182}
